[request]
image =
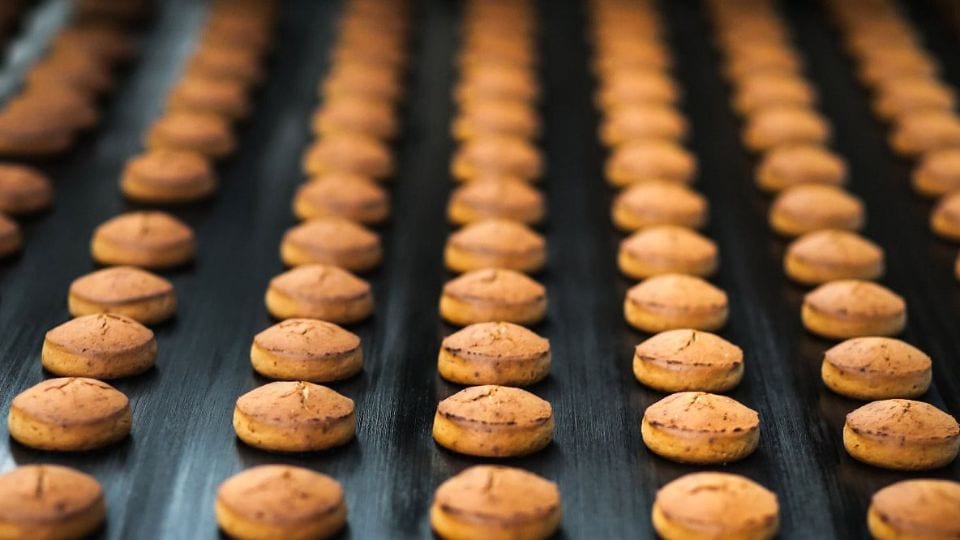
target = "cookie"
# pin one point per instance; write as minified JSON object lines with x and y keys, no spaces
{"x":168,"y":177}
{"x":490,"y":81}
{"x":701,"y":428}
{"x":827,"y":255}
{"x":145,"y":239}
{"x":488,"y":118}
{"x":925,"y":131}
{"x":715,"y":505}
{"x":69,"y":414}
{"x":123,"y":290}
{"x":667,"y":249}
{"x":75,"y":69}
{"x":849,"y":308}
{"x":649,"y":204}
{"x":26,"y":134}
{"x":642,"y":121}
{"x":361,"y":79}
{"x":50,"y":501}
{"x":870,"y":368}
{"x":887,"y":64}
{"x":280,"y":501}
{"x":945,"y":217}
{"x":101,"y":346}
{"x":494,"y":353}
{"x":317,"y":291}
{"x":671,"y":301}
{"x":496,"y":198}
{"x":349,"y":154}
{"x":762,"y":89}
{"x":493,"y":294}
{"x":688,"y":360}
{"x":762,"y":58}
{"x":495,"y":243}
{"x":223,"y":98}
{"x":493,"y":421}
{"x":342,"y":195}
{"x":783,"y":124}
{"x":225,"y":63}
{"x":901,"y":434}
{"x":294,"y":416}
{"x":496,"y":503}
{"x":498,"y":155}
{"x":61,"y":105}
{"x":109,"y":43}
{"x":636,"y":87}
{"x":334,"y":241}
{"x":11,"y":239}
{"x":363,"y":116}
{"x":812,"y":207}
{"x":907,"y":96}
{"x":937,"y":173}
{"x":203,"y":133}
{"x":915,"y":509}
{"x":787,"y":166}
{"x":306,"y":350}
{"x":23,"y":190}
{"x":650,"y":159}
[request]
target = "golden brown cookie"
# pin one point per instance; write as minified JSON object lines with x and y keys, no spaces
{"x":783,"y":124}
{"x":763,"y":89}
{"x":356,"y":198}
{"x":349,"y":154}
{"x":497,"y":155}
{"x":493,"y":294}
{"x":650,"y":159}
{"x":168,"y":176}
{"x":494,"y":353}
{"x":715,"y":505}
{"x":642,"y":121}
{"x":496,"y":197}
{"x":636,"y":87}
{"x":280,"y":501}
{"x":492,"y":81}
{"x":915,"y":509}
{"x":317,"y":291}
{"x":761,"y":58}
{"x":830,"y":254}
{"x":225,"y":62}
{"x":306,"y":350}
{"x":23,"y":190}
{"x":493,"y":421}
{"x":69,"y":414}
{"x":124,"y":290}
{"x":76,"y":69}
{"x":362,"y":79}
{"x":202,"y":133}
{"x":11,"y":238}
{"x":101,"y":346}
{"x":331,"y":240}
{"x":294,"y":416}
{"x":787,"y":166}
{"x":667,"y":249}
{"x":485,"y":118}
{"x":197,"y":94}
{"x":688,"y":360}
{"x":49,"y":501}
{"x":901,"y":434}
{"x":26,"y":134}
{"x":671,"y":301}
{"x":905,"y":96}
{"x":937,"y":173}
{"x":849,"y":308}
{"x":61,"y":105}
{"x":364,"y":116}
{"x":945,"y":217}
{"x":925,"y":131}
{"x":886,"y":65}
{"x":495,"y":243}
{"x":145,"y":239}
{"x":496,"y":503}
{"x":655,"y":203}
{"x":876,"y":368}
{"x":702,"y":428}
{"x":811,"y":207}
{"x":108,"y":42}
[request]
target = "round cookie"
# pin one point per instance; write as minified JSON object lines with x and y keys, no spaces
{"x":493,"y":421}
{"x":72,"y":109}
{"x":334,"y":241}
{"x":496,"y":503}
{"x":140,"y":295}
{"x":667,"y":249}
{"x":650,"y":159}
{"x":294,"y":416}
{"x":901,"y":434}
{"x":937,"y":173}
{"x":810,"y":207}
{"x":145,"y":239}
{"x":495,"y":243}
{"x":496,"y":197}
{"x":82,"y":72}
{"x":889,"y":64}
{"x":203,"y":133}
{"x":659,"y":203}
{"x":69,"y":414}
{"x":493,"y":294}
{"x":925,"y":131}
{"x":351,"y":197}
{"x":317,"y":291}
{"x":760,"y":58}
{"x":349,"y":154}
{"x":671,"y":301}
{"x":306,"y":350}
{"x":945,"y":217}
{"x":364,"y":116}
{"x":688,"y":360}
{"x":781,"y":125}
{"x":642,"y":121}
{"x":494,"y":353}
{"x":361,"y":79}
{"x":23,"y":190}
{"x":915,"y":509}
{"x":11,"y":239}
{"x":769,"y":89}
{"x":787,"y":166}
{"x":227,"y":63}
{"x":223,"y":98}
{"x":715,"y":505}
{"x":110,"y":43}
{"x":850,"y":308}
{"x":870,"y":368}
{"x":280,"y":501}
{"x":49,"y":501}
{"x":636,"y":87}
{"x":26,"y":134}
{"x":910,"y":95}
{"x":496,"y":156}
{"x":490,"y":118}
{"x":168,"y":176}
{"x":101,"y":346}
{"x":827,"y":255}
{"x":700,"y":428}
{"x":492,"y":81}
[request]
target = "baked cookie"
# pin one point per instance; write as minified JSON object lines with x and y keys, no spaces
{"x":23,"y":190}
{"x":69,"y":414}
{"x":760,"y":58}
{"x":334,"y":241}
{"x":763,"y":89}
{"x":351,"y":197}
{"x":701,"y":428}
{"x":231,"y":63}
{"x":870,"y":368}
{"x":642,"y":121}
{"x":491,"y":81}
{"x":294,"y":416}
{"x":945,"y":217}
{"x":648,"y":204}
{"x":787,"y":166}
{"x":109,"y":43}
{"x":497,"y":156}
{"x":496,"y":197}
{"x":915,"y":509}
{"x":937,"y":173}
{"x":24,"y":134}
{"x":49,"y":501}
{"x":920,"y":132}
{"x":667,"y":249}
{"x":72,"y":109}
{"x":317,"y":291}
{"x":361,"y":79}
{"x":781,"y":125}
{"x":493,"y":421}
{"x":650,"y":159}
{"x":11,"y":239}
{"x":306,"y":350}
{"x":671,"y":301}
{"x":197,"y":94}
{"x":850,"y":308}
{"x":72,"y":68}
{"x":145,"y":239}
{"x":168,"y":176}
{"x":364,"y":116}
{"x":901,"y":434}
{"x":494,"y":353}
{"x":492,"y":118}
{"x":495,"y":243}
{"x":203,"y":133}
{"x":827,"y":255}
{"x":493,"y":294}
{"x":688,"y":360}
{"x":884,"y":65}
{"x":811,"y":207}
{"x":349,"y":154}
{"x":101,"y":346}
{"x":124,"y":290}
{"x":636,"y":87}
{"x":909,"y":95}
